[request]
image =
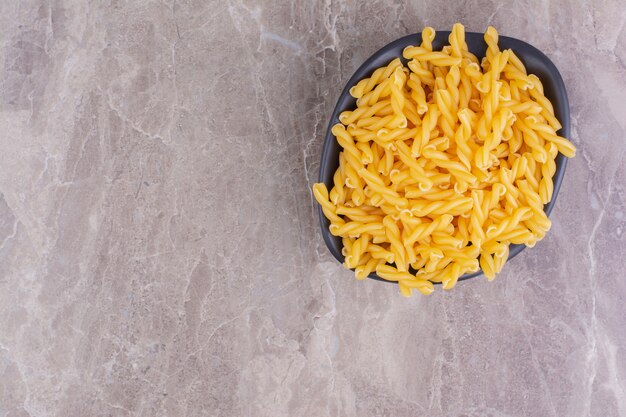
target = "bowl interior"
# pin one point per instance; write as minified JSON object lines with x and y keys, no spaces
{"x":536,"y":63}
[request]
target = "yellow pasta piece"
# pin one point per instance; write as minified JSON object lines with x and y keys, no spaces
{"x":546,"y":186}
{"x":362,"y":271}
{"x":349,"y":117}
{"x":320,"y":192}
{"x":487,"y":265}
{"x":398,"y":81}
{"x":366,"y":85}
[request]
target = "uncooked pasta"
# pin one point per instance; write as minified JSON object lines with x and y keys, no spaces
{"x":446,"y":162}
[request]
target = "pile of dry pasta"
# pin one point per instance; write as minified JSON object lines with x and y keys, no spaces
{"x":444,"y":165}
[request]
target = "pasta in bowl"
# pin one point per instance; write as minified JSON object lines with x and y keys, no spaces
{"x":443,"y":158}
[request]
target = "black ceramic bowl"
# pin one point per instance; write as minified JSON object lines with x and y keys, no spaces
{"x":534,"y":60}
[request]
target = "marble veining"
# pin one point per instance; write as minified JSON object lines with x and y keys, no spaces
{"x":159,"y":245}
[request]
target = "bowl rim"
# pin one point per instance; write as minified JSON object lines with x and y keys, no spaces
{"x":558,"y":98}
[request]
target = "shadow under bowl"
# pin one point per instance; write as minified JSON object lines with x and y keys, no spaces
{"x":536,"y":63}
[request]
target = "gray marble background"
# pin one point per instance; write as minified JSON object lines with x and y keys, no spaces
{"x":159,"y":245}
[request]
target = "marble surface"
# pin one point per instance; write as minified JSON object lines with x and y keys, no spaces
{"x":159,"y":245}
